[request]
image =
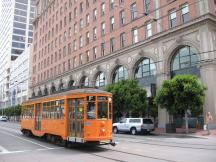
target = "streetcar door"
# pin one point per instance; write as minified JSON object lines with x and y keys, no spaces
{"x":38,"y":117}
{"x":76,"y":119}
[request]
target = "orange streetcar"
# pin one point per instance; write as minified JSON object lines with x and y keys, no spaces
{"x":80,"y":116}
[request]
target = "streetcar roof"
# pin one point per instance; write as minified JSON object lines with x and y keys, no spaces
{"x":70,"y":92}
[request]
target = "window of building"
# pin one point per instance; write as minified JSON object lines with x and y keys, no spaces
{"x":70,"y":32}
{"x":172,"y":17}
{"x":69,"y":64}
{"x":87,"y":56}
{"x":80,"y":59}
{"x":70,"y":17}
{"x":112,"y":23}
{"x":134,"y":11}
{"x":60,"y":39}
{"x":65,"y":36}
{"x":74,"y":45}
{"x":95,"y":14}
{"x":75,"y":13}
{"x":149,"y":29}
{"x":121,"y":1}
{"x":185,"y":13}
{"x":94,"y":52}
{"x":74,"y":61}
{"x":122,"y":39}
{"x":69,"y":48}
{"x":100,"y":80}
{"x":65,"y":21}
{"x":87,"y":4}
{"x":112,"y":44}
{"x":81,"y":24}
{"x":112,"y":4}
{"x":94,"y":33}
{"x":64,"y":51}
{"x":122,"y":17}
{"x":102,"y":9}
{"x":87,"y":38}
{"x":85,"y":81}
{"x":81,"y":41}
{"x":75,"y":28}
{"x":102,"y":49}
{"x":146,"y":6}
{"x":87,"y":19}
{"x":145,"y":68}
{"x":121,"y":73}
{"x":81,"y":8}
{"x":135,"y":37}
{"x":103,"y":32}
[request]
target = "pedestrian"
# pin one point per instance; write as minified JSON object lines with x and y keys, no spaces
{"x":209,"y":120}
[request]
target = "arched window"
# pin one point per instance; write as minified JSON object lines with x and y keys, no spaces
{"x":121,"y":73}
{"x":145,"y":68}
{"x":185,"y":61}
{"x":100,"y":80}
{"x":85,"y":81}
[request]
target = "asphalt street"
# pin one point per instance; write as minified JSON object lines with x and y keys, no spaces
{"x":14,"y":147}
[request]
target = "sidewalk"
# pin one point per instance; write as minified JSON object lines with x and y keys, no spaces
{"x":180,"y":132}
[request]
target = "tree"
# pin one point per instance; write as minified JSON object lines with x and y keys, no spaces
{"x":13,"y":111}
{"x":183,"y":93}
{"x":128,"y":97}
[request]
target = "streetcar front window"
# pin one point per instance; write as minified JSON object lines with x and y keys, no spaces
{"x":91,"y":110}
{"x":102,"y":110}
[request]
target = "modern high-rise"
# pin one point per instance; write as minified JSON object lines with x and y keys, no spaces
{"x":16,"y":32}
{"x":95,"y":42}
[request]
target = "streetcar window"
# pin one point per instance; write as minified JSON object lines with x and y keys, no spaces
{"x":102,"y":98}
{"x":91,"y":110}
{"x":90,"y":98}
{"x":102,"y":110}
{"x":110,"y":110}
{"x":28,"y":111}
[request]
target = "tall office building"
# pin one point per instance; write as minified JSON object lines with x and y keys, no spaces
{"x":16,"y":33}
{"x":94,"y":42}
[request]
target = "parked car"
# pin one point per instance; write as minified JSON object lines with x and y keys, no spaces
{"x":3,"y":118}
{"x":134,"y":125}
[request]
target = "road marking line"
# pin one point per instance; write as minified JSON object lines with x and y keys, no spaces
{"x":22,"y":151}
{"x":3,"y":150}
{"x":26,"y":140}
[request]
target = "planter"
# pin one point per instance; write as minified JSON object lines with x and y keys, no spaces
{"x":170,"y":128}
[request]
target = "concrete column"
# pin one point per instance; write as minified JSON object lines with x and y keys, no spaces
{"x":163,"y":116}
{"x":162,"y":75}
{"x":208,"y":77}
{"x":208,"y":69}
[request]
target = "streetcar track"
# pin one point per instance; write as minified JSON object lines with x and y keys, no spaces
{"x":134,"y":154}
{"x":140,"y":142}
{"x":165,"y":141}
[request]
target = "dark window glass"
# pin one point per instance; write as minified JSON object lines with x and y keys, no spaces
{"x":22,"y":1}
{"x":102,"y":110}
{"x":18,"y":45}
{"x":19,"y":38}
{"x":21,"y":6}
{"x":145,"y":68}
{"x":91,"y":114}
{"x":147,"y":121}
{"x":20,"y":12}
{"x":19,"y":25}
{"x":20,"y":19}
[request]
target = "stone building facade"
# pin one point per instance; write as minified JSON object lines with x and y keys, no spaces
{"x":95,"y":43}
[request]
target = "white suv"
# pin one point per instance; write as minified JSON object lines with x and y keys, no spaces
{"x":134,"y":125}
{"x":3,"y":118}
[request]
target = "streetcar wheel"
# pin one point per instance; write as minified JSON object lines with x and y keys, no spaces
{"x":115,"y":130}
{"x":133,"y":131}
